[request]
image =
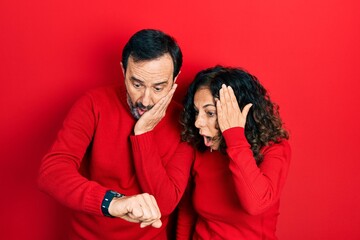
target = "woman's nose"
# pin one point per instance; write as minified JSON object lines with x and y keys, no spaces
{"x":199,"y":122}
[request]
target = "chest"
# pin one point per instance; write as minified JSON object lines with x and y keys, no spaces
{"x":110,"y":152}
{"x":214,"y":190}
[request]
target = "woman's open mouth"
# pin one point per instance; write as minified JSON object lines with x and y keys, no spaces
{"x":208,"y":141}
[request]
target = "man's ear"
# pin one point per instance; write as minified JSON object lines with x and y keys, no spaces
{"x":176,"y":77}
{"x":122,"y":68}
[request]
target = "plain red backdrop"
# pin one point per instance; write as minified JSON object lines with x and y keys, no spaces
{"x":307,"y":54}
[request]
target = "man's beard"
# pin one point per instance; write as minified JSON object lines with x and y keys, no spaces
{"x":134,"y":108}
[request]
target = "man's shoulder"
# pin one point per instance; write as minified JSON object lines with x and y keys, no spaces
{"x":103,"y":91}
{"x":104,"y":98}
{"x":105,"y":94}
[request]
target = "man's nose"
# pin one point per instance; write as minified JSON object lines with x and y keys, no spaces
{"x":146,"y":98}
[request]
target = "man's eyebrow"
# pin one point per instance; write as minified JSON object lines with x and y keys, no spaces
{"x":132,"y":78}
{"x":161,"y":83}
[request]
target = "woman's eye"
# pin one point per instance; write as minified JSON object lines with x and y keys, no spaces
{"x":210,"y":114}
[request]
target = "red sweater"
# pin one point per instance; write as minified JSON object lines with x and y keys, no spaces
{"x":96,"y":151}
{"x":234,"y":198}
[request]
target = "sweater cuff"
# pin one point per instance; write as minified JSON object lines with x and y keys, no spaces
{"x":93,"y":200}
{"x":142,"y":142}
{"x":235,"y":137}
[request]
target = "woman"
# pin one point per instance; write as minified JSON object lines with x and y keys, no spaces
{"x":241,"y":162}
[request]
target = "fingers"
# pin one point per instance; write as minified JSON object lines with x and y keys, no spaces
{"x":229,"y":98}
{"x":146,"y":208}
{"x":246,"y":110}
{"x":142,"y":208}
{"x":151,"y":212}
{"x":228,"y":110}
{"x":222,"y":98}
{"x":162,"y":105}
{"x":151,"y":118}
{"x":150,"y":208}
{"x":233,"y":100}
{"x":155,"y":223}
{"x":157,"y":209}
{"x":220,"y":114}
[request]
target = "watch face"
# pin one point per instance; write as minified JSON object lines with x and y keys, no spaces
{"x":116,"y":194}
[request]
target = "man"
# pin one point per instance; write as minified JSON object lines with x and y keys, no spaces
{"x":118,"y":160}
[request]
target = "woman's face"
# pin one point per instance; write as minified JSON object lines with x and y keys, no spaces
{"x":206,"y":118}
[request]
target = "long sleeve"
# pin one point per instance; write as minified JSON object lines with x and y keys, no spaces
{"x":186,"y":216}
{"x":166,"y":180}
{"x":59,"y":172}
{"x":258,"y":187}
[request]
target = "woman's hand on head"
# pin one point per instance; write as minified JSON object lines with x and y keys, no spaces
{"x":228,"y":110}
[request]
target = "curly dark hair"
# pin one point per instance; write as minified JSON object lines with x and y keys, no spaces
{"x":263,"y":123}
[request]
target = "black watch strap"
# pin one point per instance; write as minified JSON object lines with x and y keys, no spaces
{"x":109,"y":195}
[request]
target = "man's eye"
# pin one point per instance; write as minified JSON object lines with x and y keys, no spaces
{"x":137,"y":85}
{"x":158,"y":89}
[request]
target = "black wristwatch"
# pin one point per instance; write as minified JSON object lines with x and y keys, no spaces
{"x":109,"y":195}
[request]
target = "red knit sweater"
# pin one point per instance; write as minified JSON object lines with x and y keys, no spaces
{"x":232,"y":197}
{"x":96,"y":151}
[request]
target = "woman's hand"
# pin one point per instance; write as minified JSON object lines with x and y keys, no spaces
{"x":228,"y":111}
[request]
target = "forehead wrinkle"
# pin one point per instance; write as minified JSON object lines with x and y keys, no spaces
{"x":204,"y":98}
{"x":139,"y":72}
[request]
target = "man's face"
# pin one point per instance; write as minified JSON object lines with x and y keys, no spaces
{"x":147,"y":82}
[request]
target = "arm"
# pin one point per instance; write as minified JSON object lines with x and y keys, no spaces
{"x":166,"y":182}
{"x":186,"y":216}
{"x":258,"y":187}
{"x":59,"y":171}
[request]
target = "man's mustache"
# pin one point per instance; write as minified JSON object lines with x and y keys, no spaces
{"x":142,"y":107}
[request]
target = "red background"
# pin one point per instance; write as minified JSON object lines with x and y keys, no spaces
{"x":307,"y":53}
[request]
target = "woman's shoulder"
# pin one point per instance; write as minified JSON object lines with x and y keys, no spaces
{"x":281,"y":146}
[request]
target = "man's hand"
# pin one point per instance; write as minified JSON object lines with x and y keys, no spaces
{"x":228,"y":111}
{"x":151,"y":118}
{"x":141,"y":208}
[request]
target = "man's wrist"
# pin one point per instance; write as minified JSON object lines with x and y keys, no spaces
{"x":108,"y":197}
{"x":139,"y":131}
